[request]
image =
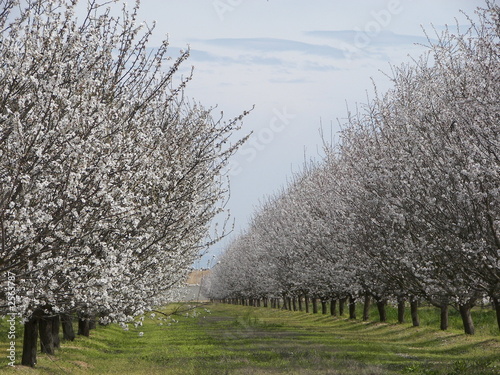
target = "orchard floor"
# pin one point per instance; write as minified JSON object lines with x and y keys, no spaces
{"x":227,"y":339}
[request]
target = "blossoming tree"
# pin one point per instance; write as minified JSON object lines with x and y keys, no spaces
{"x":109,"y":178}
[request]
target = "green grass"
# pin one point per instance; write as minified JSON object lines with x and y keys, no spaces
{"x":231,"y":339}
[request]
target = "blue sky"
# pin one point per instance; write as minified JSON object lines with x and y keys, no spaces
{"x":300,"y":63}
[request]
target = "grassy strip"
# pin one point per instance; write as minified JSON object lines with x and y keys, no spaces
{"x":226,"y":339}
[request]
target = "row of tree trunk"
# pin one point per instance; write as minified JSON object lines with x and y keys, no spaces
{"x":298,"y":304}
{"x":46,"y":327}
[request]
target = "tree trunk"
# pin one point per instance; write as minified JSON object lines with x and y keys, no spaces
{"x":30,"y":342}
{"x":45,"y":332}
{"x":496,"y":305}
{"x":467,"y":318}
{"x":381,"y":310}
{"x":67,"y":327}
{"x":401,"y":310}
{"x":289,"y":301}
{"x":444,"y":317}
{"x":342,"y":306}
{"x":307,"y":303}
{"x":315,"y":305}
{"x":352,"y":307}
{"x":56,"y":322}
{"x":323,"y":307}
{"x":294,"y":303}
{"x":366,"y":308}
{"x":83,"y":326}
{"x":300,"y":303}
{"x":333,"y":307}
{"x":414,"y":313}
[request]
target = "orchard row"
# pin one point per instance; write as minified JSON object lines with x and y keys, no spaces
{"x":406,"y":207}
{"x":109,"y":179}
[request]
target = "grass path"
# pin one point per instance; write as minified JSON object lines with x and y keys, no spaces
{"x":226,"y":339}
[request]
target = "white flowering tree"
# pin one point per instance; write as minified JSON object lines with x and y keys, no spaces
{"x":253,"y":268}
{"x":109,"y":179}
{"x":321,"y":267}
{"x":273,"y":226}
{"x":371,"y":227}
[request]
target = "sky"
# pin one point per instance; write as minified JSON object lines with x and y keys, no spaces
{"x":302,"y":64}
